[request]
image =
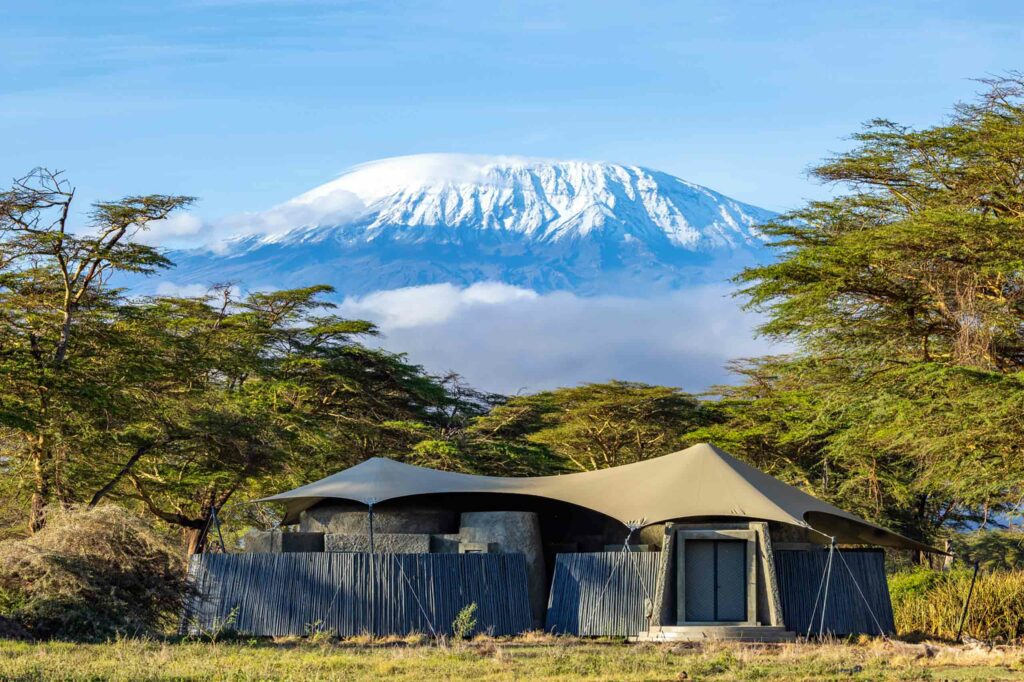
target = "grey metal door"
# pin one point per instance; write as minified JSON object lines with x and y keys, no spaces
{"x":716,"y":580}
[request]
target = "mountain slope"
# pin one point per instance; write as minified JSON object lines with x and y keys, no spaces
{"x":547,"y":225}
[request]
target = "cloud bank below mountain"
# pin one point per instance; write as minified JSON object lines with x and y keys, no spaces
{"x":510,"y":339}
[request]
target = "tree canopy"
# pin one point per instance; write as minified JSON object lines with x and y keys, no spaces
{"x":594,"y":426}
{"x":903,"y":296}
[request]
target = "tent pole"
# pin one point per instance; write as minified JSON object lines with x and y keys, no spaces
{"x":216,"y":523}
{"x":370,"y":515}
{"x":828,"y":579}
{"x":633,"y":527}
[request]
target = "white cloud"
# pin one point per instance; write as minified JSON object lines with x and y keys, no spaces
{"x":183,"y":290}
{"x":305,"y":211}
{"x":507,"y":339}
{"x":177,"y":226}
{"x":376,"y":179}
{"x":188,"y":230}
{"x":412,"y":307}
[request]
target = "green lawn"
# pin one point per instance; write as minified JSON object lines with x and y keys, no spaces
{"x":530,"y":658}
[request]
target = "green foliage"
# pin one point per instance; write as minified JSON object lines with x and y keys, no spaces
{"x":91,"y":574}
{"x":914,"y":583}
{"x":316,"y":633}
{"x":217,"y":631}
{"x":904,"y":300}
{"x":465,"y":622}
{"x":930,"y":603}
{"x":64,"y":366}
{"x":265,"y":392}
{"x":458,"y":444}
{"x":993,"y":550}
{"x":923,"y":258}
{"x":595,"y":425}
{"x":714,"y":664}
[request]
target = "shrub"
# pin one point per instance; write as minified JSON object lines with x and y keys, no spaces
{"x":91,"y":574}
{"x":929,"y":603}
{"x":993,"y":549}
{"x":465,"y":622}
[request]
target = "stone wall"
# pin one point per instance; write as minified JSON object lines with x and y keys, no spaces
{"x":351,"y":519}
{"x":387,"y":543}
{"x":277,"y":541}
{"x":444,"y":543}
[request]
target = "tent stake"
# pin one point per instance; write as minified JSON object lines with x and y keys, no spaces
{"x":967,"y":605}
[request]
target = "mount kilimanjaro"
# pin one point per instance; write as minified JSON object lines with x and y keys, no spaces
{"x":585,"y":227}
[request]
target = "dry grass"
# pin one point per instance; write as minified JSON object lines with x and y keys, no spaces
{"x":535,"y":657}
{"x":930,"y":603}
{"x":91,"y":573}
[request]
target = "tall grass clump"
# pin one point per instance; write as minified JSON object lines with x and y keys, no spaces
{"x":91,"y":574}
{"x":928,"y":603}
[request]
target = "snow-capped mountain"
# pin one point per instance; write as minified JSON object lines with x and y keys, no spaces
{"x":547,"y":225}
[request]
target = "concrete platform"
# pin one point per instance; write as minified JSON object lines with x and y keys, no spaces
{"x":703,"y":633}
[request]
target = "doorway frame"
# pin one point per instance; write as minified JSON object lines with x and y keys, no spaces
{"x":748,"y":535}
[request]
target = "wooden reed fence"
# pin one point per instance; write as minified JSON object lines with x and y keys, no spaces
{"x":799,"y":574}
{"x":352,"y":594}
{"x":602,"y":593}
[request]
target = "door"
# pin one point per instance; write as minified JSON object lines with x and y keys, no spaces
{"x":715,"y":580}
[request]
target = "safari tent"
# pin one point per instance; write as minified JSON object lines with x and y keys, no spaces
{"x":693,"y":544}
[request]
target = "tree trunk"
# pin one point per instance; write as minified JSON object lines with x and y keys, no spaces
{"x":922,"y":515}
{"x":195,"y":540}
{"x":40,"y":484}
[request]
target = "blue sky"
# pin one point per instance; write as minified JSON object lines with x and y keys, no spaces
{"x":246,"y":103}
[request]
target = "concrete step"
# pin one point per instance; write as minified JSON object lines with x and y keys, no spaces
{"x":700,"y":633}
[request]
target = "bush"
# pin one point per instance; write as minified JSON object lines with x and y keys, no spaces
{"x":993,"y":549}
{"x":465,"y":622}
{"x":929,"y":603}
{"x":91,"y":574}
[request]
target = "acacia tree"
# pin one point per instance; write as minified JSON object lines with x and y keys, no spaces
{"x":905,"y":299}
{"x":52,"y":304}
{"x":259,"y":393}
{"x":589,"y":427}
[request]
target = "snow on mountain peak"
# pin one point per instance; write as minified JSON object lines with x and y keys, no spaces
{"x":580,"y":226}
{"x":546,"y":200}
{"x":375,"y":180}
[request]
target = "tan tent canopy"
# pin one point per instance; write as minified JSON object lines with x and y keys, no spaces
{"x":700,"y":481}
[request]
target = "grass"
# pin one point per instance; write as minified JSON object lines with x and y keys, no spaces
{"x":929,"y":603}
{"x":532,"y":657}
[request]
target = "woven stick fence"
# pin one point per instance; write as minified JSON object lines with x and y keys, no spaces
{"x":355,"y":593}
{"x":602,"y":593}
